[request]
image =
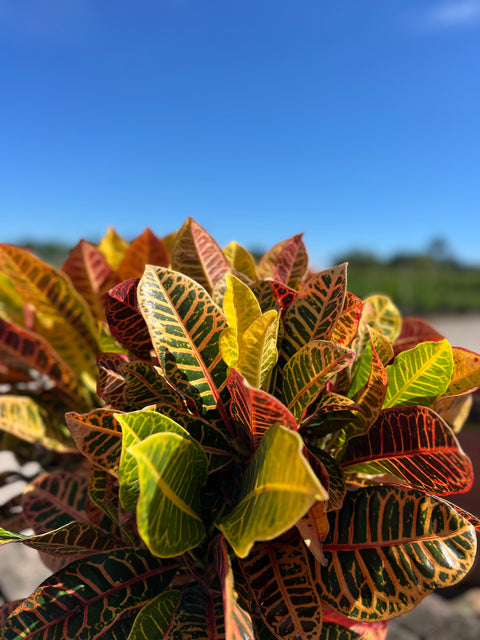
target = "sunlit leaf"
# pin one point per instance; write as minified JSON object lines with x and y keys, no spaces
{"x":389,"y":547}
{"x":278,"y":488}
{"x":466,"y":372}
{"x":347,"y":324}
{"x":22,"y":417}
{"x":419,"y":376}
{"x":382,"y":314}
{"x":61,"y":314}
{"x":172,"y":469}
{"x":415,"y":446}
{"x":185,"y":327}
{"x":286,"y":262}
{"x":113,"y":247}
{"x":196,"y":254}
{"x":147,"y":248}
{"x":240,"y":259}
{"x":315,"y":311}
{"x":89,"y":272}
{"x":136,"y":427}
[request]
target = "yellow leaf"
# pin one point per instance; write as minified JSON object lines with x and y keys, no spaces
{"x":240,"y":259}
{"x":113,"y":248}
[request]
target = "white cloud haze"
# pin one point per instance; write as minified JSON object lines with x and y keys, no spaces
{"x":455,"y":13}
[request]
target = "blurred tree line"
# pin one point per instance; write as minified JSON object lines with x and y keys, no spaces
{"x":432,"y":281}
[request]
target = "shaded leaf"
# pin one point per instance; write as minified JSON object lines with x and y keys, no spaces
{"x":455,"y":410}
{"x":279,"y":577}
{"x":111,"y":384}
{"x":90,"y":596}
{"x":156,"y":617}
{"x":383,"y":316}
{"x":125,"y":320}
{"x":347,"y":324}
{"x":98,"y":436}
{"x":415,"y":330}
{"x":308,"y":371}
{"x":254,"y":410}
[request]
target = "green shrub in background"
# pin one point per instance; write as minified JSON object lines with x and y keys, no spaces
{"x":271,"y":456}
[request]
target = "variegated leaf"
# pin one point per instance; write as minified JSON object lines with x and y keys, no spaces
{"x":147,"y":248}
{"x":240,"y":259}
{"x":172,"y":470}
{"x":61,"y":315}
{"x":111,"y":384}
{"x":347,"y":324}
{"x":156,"y":617}
{"x":72,"y":539}
{"x":466,"y":372}
{"x":145,"y":385}
{"x":136,"y":427}
{"x":279,"y":577}
{"x":389,"y":547}
{"x":185,"y":326}
{"x":54,"y":499}
{"x":26,"y":350}
{"x":315,"y":311}
{"x":196,"y":254}
{"x":254,"y":410}
{"x":455,"y":410}
{"x":278,"y":488}
{"x":309,"y":370}
{"x":90,"y":274}
{"x":98,"y":436}
{"x":125,"y":320}
{"x":415,"y":330}
{"x":382,"y":314}
{"x":286,"y":262}
{"x":90,"y":597}
{"x":419,"y":376}
{"x":23,"y":418}
{"x":415,"y":446}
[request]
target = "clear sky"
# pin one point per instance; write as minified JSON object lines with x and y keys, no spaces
{"x":354,"y":121}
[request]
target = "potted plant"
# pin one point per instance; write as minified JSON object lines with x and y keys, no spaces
{"x":272,"y":458}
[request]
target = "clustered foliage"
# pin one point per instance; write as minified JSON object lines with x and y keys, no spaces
{"x":232,"y":449}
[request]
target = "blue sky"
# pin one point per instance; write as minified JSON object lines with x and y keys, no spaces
{"x":356,"y":122}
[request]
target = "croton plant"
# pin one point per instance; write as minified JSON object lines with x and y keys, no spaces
{"x":237,"y":449}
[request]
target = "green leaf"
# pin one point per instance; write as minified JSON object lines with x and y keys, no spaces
{"x":309,"y":370}
{"x":420,"y":375}
{"x":155,"y":619}
{"x":90,"y":596}
{"x":136,"y":427}
{"x":415,"y":446}
{"x":278,"y":488}
{"x":185,"y":327}
{"x":389,"y":547}
{"x":172,"y":470}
